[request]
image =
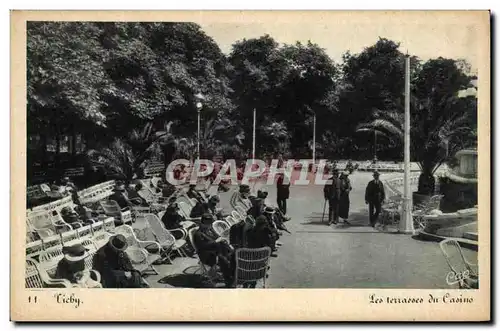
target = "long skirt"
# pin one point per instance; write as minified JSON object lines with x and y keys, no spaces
{"x":344,"y":205}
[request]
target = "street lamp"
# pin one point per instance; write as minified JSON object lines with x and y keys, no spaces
{"x":199,"y":106}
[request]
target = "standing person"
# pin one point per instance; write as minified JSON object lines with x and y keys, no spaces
{"x":283,"y":193}
{"x":344,"y":202}
{"x":332,"y":194}
{"x":374,"y":197}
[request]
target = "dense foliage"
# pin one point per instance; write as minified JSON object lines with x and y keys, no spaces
{"x":131,"y":90}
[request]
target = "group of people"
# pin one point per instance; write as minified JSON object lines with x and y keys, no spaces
{"x":337,"y":190}
{"x":111,"y":261}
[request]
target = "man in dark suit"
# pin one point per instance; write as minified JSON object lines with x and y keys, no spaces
{"x":332,"y":194}
{"x":283,"y":193}
{"x":374,"y":197}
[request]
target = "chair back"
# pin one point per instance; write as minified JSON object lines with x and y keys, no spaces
{"x":191,"y":233}
{"x":454,"y":256}
{"x":32,"y":277}
{"x":128,"y":232}
{"x":184,"y":209}
{"x":69,"y":236}
{"x":51,"y":255}
{"x":97,"y":192}
{"x":237,"y":216}
{"x":231,"y":221}
{"x":34,"y":248}
{"x":85,"y":232}
{"x":42,"y":222}
{"x":111,"y":207}
{"x":52,"y":241}
{"x":251,"y":264}
{"x":162,"y":235}
{"x":240,"y":210}
{"x":221,"y":228}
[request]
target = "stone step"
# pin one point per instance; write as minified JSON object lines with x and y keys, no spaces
{"x":470,"y":235}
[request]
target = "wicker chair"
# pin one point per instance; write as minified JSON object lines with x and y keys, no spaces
{"x":37,"y":277}
{"x":222,"y":229}
{"x":111,"y":208}
{"x":251,"y":266}
{"x":136,"y":250}
{"x":206,"y":271}
{"x":466,"y":271}
{"x":165,"y":237}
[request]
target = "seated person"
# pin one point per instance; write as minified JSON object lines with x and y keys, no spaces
{"x":72,"y":267}
{"x":213,"y":202}
{"x":115,"y":266}
{"x":257,"y":208}
{"x":167,"y":190}
{"x":261,"y":235}
{"x":213,"y":250}
{"x":262,"y":194}
{"x":238,"y":233}
{"x":192,"y":193}
{"x":134,"y":196}
{"x":241,"y":197}
{"x":121,"y":197}
{"x":72,"y":218}
{"x":173,"y":220}
{"x":270,"y":215}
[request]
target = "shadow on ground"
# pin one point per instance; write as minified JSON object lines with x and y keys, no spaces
{"x":185,"y":280}
{"x":359,"y":218}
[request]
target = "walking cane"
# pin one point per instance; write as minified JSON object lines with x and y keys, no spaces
{"x":324,"y":208}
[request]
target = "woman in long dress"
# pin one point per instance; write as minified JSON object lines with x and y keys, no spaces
{"x":344,"y":202}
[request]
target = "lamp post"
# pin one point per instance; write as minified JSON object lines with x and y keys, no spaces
{"x":407,"y":219}
{"x":253,"y":132}
{"x":314,"y":142}
{"x":199,"y":106}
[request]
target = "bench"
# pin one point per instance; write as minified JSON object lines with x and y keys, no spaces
{"x":154,"y":169}
{"x":74,"y":172}
{"x":96,"y":193}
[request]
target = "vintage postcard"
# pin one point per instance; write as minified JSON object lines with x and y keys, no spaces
{"x":250,"y":166}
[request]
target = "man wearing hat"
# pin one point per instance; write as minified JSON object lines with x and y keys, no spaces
{"x":72,"y":266}
{"x":120,"y":196}
{"x":213,"y":250}
{"x":115,"y":266}
{"x":261,"y":235}
{"x":241,"y":197}
{"x":193,"y":194}
{"x":331,"y":192}
{"x":374,"y":197}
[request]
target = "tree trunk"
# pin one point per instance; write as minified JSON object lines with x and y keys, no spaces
{"x":426,"y":183}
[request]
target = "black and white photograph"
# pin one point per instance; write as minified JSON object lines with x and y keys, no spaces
{"x":300,"y":153}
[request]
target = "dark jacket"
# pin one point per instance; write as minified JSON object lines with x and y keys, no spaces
{"x":206,"y":246}
{"x":192,"y":194}
{"x":331,"y":190}
{"x":112,"y":266}
{"x":172,"y":220}
{"x":238,"y":234}
{"x":199,"y":209}
{"x":121,"y":199}
{"x":261,"y":236}
{"x":283,"y":190}
{"x":375,"y":192}
{"x":66,"y":270}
